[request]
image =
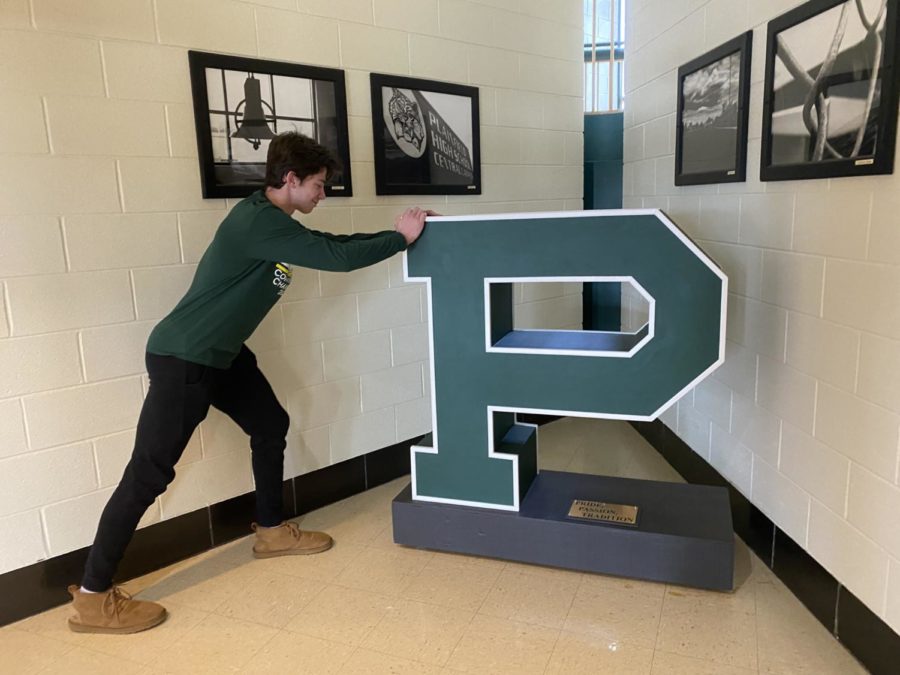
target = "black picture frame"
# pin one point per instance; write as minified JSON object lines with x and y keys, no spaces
{"x":712,"y":115}
{"x":272,"y":97}
{"x":814,"y":71}
{"x":426,"y":136}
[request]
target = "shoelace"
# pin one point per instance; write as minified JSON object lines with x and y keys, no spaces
{"x":115,"y":601}
{"x":294,"y":528}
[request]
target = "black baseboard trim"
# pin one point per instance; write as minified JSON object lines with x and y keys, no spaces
{"x":865,"y":635}
{"x":42,"y":586}
{"x":860,"y":630}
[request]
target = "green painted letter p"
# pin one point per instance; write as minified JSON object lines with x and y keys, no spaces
{"x":483,"y":371}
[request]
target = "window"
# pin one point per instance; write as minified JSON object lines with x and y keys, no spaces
{"x":604,"y":55}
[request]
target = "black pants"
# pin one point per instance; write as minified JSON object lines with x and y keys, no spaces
{"x":178,"y":400}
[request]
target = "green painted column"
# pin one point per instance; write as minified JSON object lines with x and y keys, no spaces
{"x":603,"y":171}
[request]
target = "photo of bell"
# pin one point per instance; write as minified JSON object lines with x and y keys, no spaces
{"x":254,"y":129}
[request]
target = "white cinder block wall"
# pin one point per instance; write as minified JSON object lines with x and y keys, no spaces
{"x":804,"y":415}
{"x":102,"y":223}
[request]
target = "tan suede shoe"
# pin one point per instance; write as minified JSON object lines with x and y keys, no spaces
{"x":112,"y":612}
{"x":288,"y":539}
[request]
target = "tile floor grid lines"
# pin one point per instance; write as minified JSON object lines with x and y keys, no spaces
{"x":369,"y":606}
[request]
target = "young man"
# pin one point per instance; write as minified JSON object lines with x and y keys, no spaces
{"x":196,"y":358}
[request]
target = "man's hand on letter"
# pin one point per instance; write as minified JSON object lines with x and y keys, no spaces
{"x":411,"y":222}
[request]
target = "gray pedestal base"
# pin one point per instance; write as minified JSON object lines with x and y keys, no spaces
{"x":684,"y":533}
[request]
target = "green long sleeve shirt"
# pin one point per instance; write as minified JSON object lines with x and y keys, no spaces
{"x":244,"y":272}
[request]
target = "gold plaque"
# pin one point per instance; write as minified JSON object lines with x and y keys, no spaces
{"x":618,"y":514}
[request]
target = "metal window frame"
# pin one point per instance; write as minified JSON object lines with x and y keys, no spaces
{"x":231,"y":116}
{"x":611,"y":53}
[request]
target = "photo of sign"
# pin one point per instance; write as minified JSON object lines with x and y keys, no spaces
{"x":426,"y":137}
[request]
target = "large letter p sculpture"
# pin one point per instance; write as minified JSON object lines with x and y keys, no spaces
{"x":475,"y":485}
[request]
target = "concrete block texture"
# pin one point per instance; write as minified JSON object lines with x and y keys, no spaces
{"x":813,"y":324}
{"x":102,"y":99}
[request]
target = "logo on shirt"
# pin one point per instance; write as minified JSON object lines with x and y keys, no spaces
{"x":282,"y":278}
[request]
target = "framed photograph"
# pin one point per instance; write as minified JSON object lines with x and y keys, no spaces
{"x":711,"y":131}
{"x":240,"y":104}
{"x":426,"y":137}
{"x":830,"y":97}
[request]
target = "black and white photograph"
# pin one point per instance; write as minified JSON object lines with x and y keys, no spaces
{"x":240,"y":104}
{"x":426,"y":137}
{"x":830,"y":106}
{"x":711,"y":133}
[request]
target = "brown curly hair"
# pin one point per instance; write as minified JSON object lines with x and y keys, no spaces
{"x":292,"y":151}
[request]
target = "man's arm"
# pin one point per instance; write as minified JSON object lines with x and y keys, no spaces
{"x":285,"y":240}
{"x":359,"y":236}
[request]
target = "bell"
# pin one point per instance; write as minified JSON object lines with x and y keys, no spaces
{"x":253,"y":125}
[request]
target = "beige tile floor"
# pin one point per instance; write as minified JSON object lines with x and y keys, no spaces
{"x":370,"y":606}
